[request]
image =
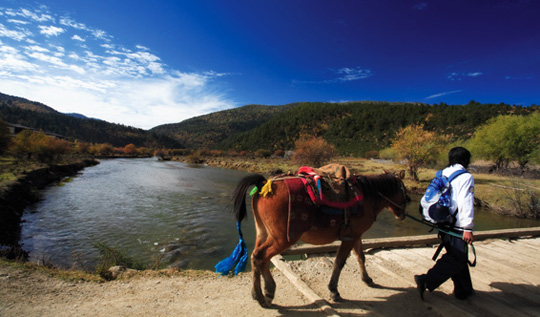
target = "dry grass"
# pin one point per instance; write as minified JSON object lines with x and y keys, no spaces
{"x":66,"y":275}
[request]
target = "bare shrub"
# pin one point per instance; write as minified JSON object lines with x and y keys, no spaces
{"x":313,"y":151}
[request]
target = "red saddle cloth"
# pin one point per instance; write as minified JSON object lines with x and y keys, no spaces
{"x":304,"y":214}
{"x":331,"y":185}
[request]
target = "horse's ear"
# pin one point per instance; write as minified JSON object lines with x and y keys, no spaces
{"x":401,"y":174}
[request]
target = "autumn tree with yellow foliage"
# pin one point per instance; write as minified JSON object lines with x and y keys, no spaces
{"x":417,"y":147}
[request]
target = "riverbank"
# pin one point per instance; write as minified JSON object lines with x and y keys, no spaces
{"x":16,"y":194}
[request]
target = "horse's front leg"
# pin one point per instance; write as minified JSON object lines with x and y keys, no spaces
{"x":341,"y":257}
{"x":359,"y":250}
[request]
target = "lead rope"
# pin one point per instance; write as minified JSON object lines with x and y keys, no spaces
{"x":473,"y":264}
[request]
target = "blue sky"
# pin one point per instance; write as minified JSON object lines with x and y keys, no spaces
{"x":146,"y":63}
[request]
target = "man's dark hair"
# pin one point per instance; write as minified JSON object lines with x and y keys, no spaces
{"x":459,"y":155}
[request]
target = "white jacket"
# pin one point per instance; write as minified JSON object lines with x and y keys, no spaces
{"x":462,"y":197}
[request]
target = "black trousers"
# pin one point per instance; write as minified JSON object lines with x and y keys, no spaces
{"x":453,"y":264}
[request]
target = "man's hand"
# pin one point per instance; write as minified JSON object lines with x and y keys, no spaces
{"x":468,"y":237}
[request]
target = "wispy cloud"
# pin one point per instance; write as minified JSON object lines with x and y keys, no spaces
{"x":442,"y":94}
{"x":341,"y":75}
{"x":50,"y":30}
{"x":73,"y":67}
{"x":351,"y":74}
{"x":459,"y":76}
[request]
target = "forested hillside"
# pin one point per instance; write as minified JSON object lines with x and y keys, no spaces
{"x":35,"y":115}
{"x":360,"y":127}
{"x":356,"y":128}
{"x":209,"y":131}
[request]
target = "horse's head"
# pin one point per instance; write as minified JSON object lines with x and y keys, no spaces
{"x":398,"y":199}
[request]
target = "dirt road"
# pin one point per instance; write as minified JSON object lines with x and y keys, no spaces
{"x":506,"y":281}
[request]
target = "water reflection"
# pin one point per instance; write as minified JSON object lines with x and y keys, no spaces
{"x":161,"y":210}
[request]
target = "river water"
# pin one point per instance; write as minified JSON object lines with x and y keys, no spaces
{"x":171,"y":212}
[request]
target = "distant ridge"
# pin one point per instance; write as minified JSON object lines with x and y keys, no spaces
{"x":17,"y":110}
{"x":354,"y":128}
{"x":81,"y":116}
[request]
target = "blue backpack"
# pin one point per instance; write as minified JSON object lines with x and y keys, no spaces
{"x":437,"y":199}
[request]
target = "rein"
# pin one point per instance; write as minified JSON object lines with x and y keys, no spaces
{"x":402,"y":206}
{"x":459,"y":236}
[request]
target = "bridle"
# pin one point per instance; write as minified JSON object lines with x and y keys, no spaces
{"x":401,"y":206}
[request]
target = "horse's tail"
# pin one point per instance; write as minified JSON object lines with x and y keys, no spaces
{"x":239,"y":194}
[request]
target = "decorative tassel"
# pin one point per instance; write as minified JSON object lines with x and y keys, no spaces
{"x":237,"y":260}
{"x":267,"y":188}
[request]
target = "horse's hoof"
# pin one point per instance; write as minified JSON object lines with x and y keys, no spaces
{"x":335,"y":297}
{"x":268,"y":300}
{"x":369,"y":282}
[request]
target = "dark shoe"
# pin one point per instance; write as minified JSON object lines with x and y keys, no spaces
{"x":420,"y":284}
{"x":463,"y":295}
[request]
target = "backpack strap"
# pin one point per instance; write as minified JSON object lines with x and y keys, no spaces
{"x":450,"y":179}
{"x":456,"y":174}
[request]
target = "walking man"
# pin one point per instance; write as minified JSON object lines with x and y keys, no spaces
{"x":454,"y":263}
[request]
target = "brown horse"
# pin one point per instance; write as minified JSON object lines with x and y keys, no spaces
{"x":272,"y":220}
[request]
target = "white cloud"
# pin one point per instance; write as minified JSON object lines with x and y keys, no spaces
{"x":17,"y":35}
{"x":50,"y":30}
{"x":350,"y":74}
{"x":73,"y":67}
{"x":36,"y":48}
{"x":17,"y":21}
{"x":12,"y":61}
{"x":69,"y":22}
{"x":442,"y":94}
{"x":346,"y":74}
{"x":77,"y":38}
{"x":102,"y":35}
{"x":47,"y":58}
{"x":459,"y":76}
{"x":36,"y":16}
{"x":475,"y":74}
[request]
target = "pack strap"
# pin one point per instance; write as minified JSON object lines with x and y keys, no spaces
{"x":450,"y":179}
{"x":456,"y":174}
{"x":439,"y":249}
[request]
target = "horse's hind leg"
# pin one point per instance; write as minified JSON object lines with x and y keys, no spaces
{"x":256,"y":292}
{"x":260,"y":260}
{"x":341,"y":257}
{"x":358,"y":249}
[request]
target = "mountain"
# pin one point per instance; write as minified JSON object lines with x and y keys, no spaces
{"x":79,"y":115}
{"x":355,"y":128}
{"x":209,"y":131}
{"x":38,"y":116}
{"x":25,"y":104}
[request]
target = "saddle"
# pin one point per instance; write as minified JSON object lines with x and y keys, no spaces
{"x":332,"y":185}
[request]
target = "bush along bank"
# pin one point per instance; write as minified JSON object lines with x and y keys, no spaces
{"x":15,"y":198}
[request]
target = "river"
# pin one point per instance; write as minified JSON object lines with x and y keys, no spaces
{"x":166,"y":211}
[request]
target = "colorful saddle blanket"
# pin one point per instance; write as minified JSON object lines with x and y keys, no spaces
{"x":306,"y":215}
{"x":331,"y":185}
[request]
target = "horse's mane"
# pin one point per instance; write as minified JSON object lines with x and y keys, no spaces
{"x":385,"y":184}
